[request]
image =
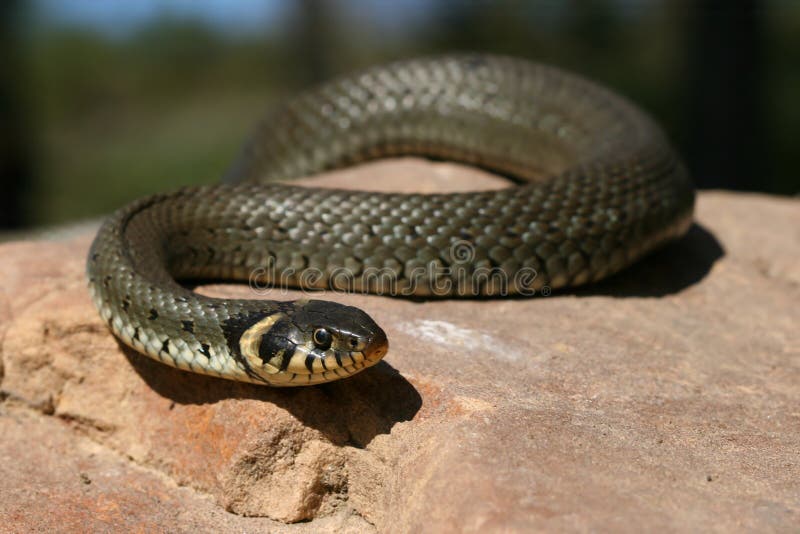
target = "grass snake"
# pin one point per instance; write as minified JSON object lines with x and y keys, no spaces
{"x":597,"y":187}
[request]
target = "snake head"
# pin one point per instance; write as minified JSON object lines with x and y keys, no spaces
{"x":310,"y":342}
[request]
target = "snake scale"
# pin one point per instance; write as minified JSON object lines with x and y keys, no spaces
{"x":597,"y":187}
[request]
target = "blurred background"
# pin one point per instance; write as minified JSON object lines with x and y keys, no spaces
{"x":102,"y":102}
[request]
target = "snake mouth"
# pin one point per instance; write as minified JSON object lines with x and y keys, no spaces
{"x":308,"y":366}
{"x":316,"y":370}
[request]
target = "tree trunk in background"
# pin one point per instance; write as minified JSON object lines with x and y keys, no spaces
{"x":16,"y":165}
{"x":726,"y":147}
{"x":312,"y":31}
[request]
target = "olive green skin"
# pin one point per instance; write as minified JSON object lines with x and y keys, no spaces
{"x":598,"y":187}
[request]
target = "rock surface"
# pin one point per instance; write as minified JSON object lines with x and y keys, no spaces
{"x":665,"y":398}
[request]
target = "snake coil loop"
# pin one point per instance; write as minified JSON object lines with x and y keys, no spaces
{"x":598,"y":187}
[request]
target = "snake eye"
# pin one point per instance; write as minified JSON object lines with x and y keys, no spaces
{"x":322,"y":339}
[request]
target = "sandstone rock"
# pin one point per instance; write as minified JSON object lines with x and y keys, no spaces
{"x":664,"y":398}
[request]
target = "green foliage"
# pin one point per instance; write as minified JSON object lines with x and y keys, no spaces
{"x":170,"y":105}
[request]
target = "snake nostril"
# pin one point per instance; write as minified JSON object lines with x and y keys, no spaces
{"x":377,"y":345}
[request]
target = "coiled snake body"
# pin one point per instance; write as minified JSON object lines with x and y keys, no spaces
{"x":600,"y":187}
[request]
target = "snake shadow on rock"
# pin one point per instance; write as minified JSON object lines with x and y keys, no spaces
{"x":667,"y":271}
{"x":348,"y":412}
